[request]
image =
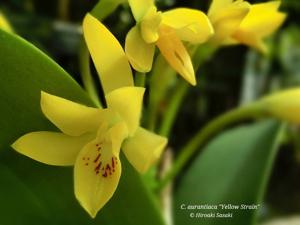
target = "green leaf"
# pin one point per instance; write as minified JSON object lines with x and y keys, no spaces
{"x":44,"y":194}
{"x":233,"y":169}
{"x":10,"y":183}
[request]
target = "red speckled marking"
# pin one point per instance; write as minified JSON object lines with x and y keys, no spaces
{"x":106,"y":168}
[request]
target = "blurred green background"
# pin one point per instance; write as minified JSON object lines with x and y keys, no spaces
{"x":235,"y":76}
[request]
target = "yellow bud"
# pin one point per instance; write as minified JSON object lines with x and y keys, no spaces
{"x":4,"y":24}
{"x":284,"y":105}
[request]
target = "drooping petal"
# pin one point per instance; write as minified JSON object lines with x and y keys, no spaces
{"x":227,"y":20}
{"x":191,"y":25}
{"x":284,"y":105}
{"x":150,"y":25}
{"x":52,"y":148}
{"x":71,"y":118}
{"x":261,"y":21}
{"x":175,"y":53}
{"x":127,"y":102}
{"x":140,"y":54}
{"x":143,"y":149}
{"x":108,"y":56}
{"x":140,"y":7}
{"x":218,"y":5}
{"x":97,"y":169}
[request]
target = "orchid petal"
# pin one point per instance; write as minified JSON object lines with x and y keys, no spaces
{"x":71,"y":118}
{"x":150,"y":25}
{"x":261,"y":21}
{"x":227,"y":20}
{"x":108,"y":56}
{"x":140,"y":54}
{"x":140,"y":7}
{"x":218,"y":5}
{"x":144,"y":149}
{"x":97,"y":169}
{"x":250,"y":39}
{"x":127,"y":102}
{"x":175,"y":53}
{"x":191,"y":25}
{"x":52,"y":148}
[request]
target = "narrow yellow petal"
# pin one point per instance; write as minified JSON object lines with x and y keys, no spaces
{"x":191,"y":25}
{"x":150,"y":25}
{"x":140,"y":7}
{"x":175,"y":53}
{"x":52,"y":148}
{"x":263,"y":19}
{"x":108,"y":56}
{"x":227,"y":20}
{"x":144,"y":149}
{"x":218,"y":5}
{"x":70,"y":117}
{"x":140,"y":54}
{"x":97,"y":169}
{"x":284,"y":105}
{"x":127,"y":102}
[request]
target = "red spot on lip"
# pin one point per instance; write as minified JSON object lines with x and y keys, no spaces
{"x":112,"y":162}
{"x":97,"y":168}
{"x":86,"y":164}
{"x":97,"y":158}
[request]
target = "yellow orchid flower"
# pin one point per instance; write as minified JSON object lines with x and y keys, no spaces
{"x":166,"y":30}
{"x":239,"y":22}
{"x":91,"y":138}
{"x":226,"y":16}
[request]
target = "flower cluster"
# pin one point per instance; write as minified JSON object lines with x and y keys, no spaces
{"x":91,"y":138}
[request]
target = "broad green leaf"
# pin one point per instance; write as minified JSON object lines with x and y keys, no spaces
{"x":233,"y":169}
{"x":45,"y":193}
{"x":10,"y":183}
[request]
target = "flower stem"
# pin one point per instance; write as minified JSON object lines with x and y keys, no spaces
{"x":160,"y":79}
{"x":188,"y":151}
{"x":87,"y":79}
{"x":140,"y":79}
{"x":172,"y":110}
{"x":200,"y":56}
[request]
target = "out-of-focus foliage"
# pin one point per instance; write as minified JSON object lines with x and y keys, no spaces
{"x":289,"y":54}
{"x":233,"y":169}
